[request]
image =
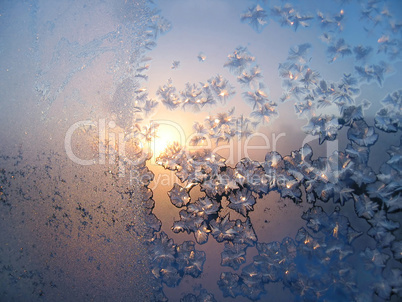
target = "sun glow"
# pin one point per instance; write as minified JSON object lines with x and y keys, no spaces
{"x":165,"y":135}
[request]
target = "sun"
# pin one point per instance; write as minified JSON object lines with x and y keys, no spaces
{"x":167,"y":133}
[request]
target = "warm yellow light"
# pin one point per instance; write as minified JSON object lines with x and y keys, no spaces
{"x":165,"y":136}
{"x":335,"y":230}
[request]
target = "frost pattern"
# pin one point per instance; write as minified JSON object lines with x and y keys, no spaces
{"x":312,"y":264}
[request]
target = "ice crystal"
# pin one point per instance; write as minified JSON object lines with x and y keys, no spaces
{"x":201,"y":57}
{"x":242,"y":201}
{"x":372,"y":72}
{"x":189,"y":260}
{"x":179,"y":196}
{"x":221,"y":88}
{"x":361,"y":134}
{"x":239,"y":60}
{"x":170,"y":262}
{"x":316,"y":264}
{"x":338,"y":49}
{"x":256,"y":16}
{"x":168,"y":97}
{"x":234,"y":255}
{"x":389,"y":118}
{"x":175,"y":65}
{"x":289,"y":16}
{"x":362,"y":52}
{"x":250,"y":79}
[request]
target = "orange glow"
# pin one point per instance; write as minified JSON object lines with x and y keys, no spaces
{"x":165,"y":136}
{"x":335,"y":230}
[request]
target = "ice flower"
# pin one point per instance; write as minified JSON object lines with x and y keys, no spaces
{"x":251,"y":174}
{"x":265,"y":113}
{"x":239,"y":60}
{"x":168,"y":97}
{"x":222,"y":184}
{"x":396,"y":248}
{"x":380,"y":220}
{"x":250,"y":79}
{"x":288,"y":186}
{"x":252,"y":286}
{"x":244,"y":232}
{"x":203,"y":296}
{"x":300,"y":20}
{"x":175,"y":65}
{"x":309,"y":78}
{"x":364,"y":206}
{"x":201,"y":57}
{"x":351,"y":114}
{"x":204,"y":206}
{"x":189,"y":260}
{"x":173,"y":158}
{"x":222,"y":228}
{"x":162,"y":257}
{"x":374,"y":259}
{"x":256,"y":98}
{"x":189,"y":222}
{"x":389,"y":118}
{"x":359,"y":154}
{"x":268,"y":261}
{"x":363,"y":175}
{"x":274,"y":168}
{"x":291,"y":71}
{"x":162,"y":250}
{"x":331,"y":23}
{"x":338,"y":49}
{"x":325,"y":126}
{"x":382,"y":288}
{"x":391,"y":47}
{"x":372,"y":72}
{"x":362,"y":52}
{"x":395,"y":153}
{"x":201,"y":233}
{"x":393,"y":203}
{"x":244,"y":126}
{"x":241,"y":201}
{"x":211,"y":163}
{"x":308,"y":244}
{"x":159,"y":25}
{"x":221,"y":126}
{"x":288,"y":16}
{"x":381,"y":228}
{"x":233,"y":255}
{"x":305,"y":107}
{"x":346,"y":91}
{"x":362,"y":134}
{"x":256,"y":16}
{"x":316,"y":219}
{"x":195,"y":97}
{"x":299,"y":52}
{"x":381,"y":236}
{"x":179,"y":196}
{"x":299,"y":164}
{"x":221,"y":88}
{"x":229,"y":284}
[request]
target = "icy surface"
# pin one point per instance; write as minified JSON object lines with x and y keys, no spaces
{"x":348,"y":246}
